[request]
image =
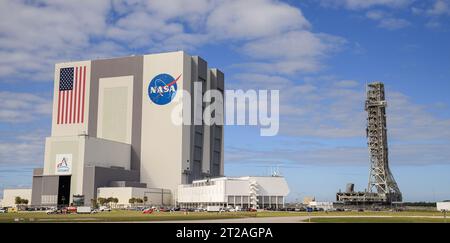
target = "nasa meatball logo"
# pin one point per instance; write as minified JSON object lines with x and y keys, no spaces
{"x":163,"y":88}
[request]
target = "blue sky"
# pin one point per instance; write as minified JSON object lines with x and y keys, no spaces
{"x":319,"y":53}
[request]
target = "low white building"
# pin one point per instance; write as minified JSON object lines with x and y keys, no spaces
{"x":155,"y":196}
{"x":9,"y":196}
{"x":246,"y":192}
{"x":443,"y":206}
{"x":323,"y":205}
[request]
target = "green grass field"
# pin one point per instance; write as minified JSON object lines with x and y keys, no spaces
{"x":115,"y":216}
{"x":123,"y":216}
{"x":350,"y":213}
{"x":377,"y":220}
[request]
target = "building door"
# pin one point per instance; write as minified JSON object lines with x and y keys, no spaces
{"x":64,"y":190}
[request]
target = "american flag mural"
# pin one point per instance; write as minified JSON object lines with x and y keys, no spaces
{"x":72,"y":89}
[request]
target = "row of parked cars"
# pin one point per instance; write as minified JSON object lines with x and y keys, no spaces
{"x":158,"y":209}
{"x":77,"y":210}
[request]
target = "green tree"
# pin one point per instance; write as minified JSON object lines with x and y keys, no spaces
{"x":109,"y":200}
{"x":101,"y":200}
{"x":18,"y":200}
{"x":132,"y":200}
{"x":139,"y":200}
{"x":145,"y":199}
{"x":94,"y":203}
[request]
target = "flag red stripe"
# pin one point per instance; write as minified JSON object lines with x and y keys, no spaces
{"x":59,"y":105}
{"x":67,"y":107}
{"x":70,"y":106}
{"x":84,"y":91}
{"x":74,"y":99}
{"x":62,"y":107}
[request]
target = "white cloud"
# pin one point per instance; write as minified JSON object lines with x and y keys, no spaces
{"x":36,"y":34}
{"x":23,"y":107}
{"x":437,"y":10}
{"x":440,"y":7}
{"x":254,"y":18}
{"x":399,"y":154}
{"x":23,"y":148}
{"x":334,"y":109}
{"x":412,"y":122}
{"x":258,"y":80}
{"x":292,"y":45}
{"x":433,"y":24}
{"x":393,"y":23}
{"x":291,"y":52}
{"x":386,"y":20}
{"x":364,"y":4}
{"x":347,"y":84}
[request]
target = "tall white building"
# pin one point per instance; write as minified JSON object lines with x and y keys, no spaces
{"x":112,"y":127}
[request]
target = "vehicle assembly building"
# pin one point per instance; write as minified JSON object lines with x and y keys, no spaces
{"x":112,"y":127}
{"x":382,"y":187}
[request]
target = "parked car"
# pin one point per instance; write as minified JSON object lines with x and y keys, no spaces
{"x":71,"y":210}
{"x":213,"y":208}
{"x":148,"y":211}
{"x":52,"y":211}
{"x":163,"y":209}
{"x":3,"y":210}
{"x":104,"y":209}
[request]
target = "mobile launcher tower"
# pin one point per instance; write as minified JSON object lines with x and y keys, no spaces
{"x":382,"y":187}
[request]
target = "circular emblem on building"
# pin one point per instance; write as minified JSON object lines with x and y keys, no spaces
{"x":163,"y":88}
